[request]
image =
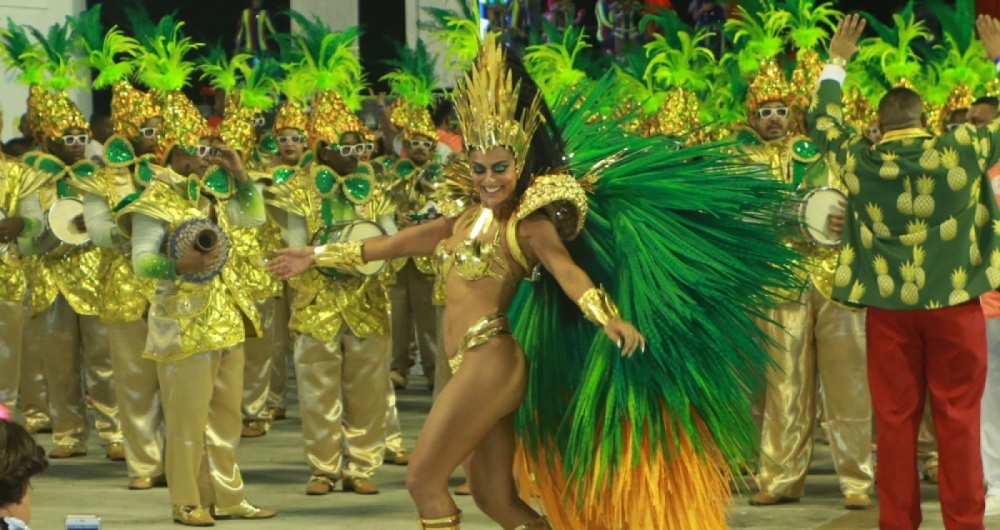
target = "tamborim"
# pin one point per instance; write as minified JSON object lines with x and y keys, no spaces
{"x":60,"y":218}
{"x":818,"y":204}
{"x":205,"y":236}
{"x":352,"y":231}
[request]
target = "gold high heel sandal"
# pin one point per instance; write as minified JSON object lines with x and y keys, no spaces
{"x":538,"y":524}
{"x":453,"y":522}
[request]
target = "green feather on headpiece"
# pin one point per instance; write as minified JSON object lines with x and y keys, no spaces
{"x":678,"y":67}
{"x":459,"y":33}
{"x":58,"y":57}
{"x":328,"y":61}
{"x":810,"y":25}
{"x":413,"y":78}
{"x":554,"y":65}
{"x":218,"y":69}
{"x":963,"y":53}
{"x":893,"y":48}
{"x":258,"y":84}
{"x":112,"y":54}
{"x":758,"y":34}
{"x":20,"y":53}
{"x":162,"y":65}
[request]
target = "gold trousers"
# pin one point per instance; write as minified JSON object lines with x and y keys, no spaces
{"x":342,"y":400}
{"x":34,"y":393}
{"x":138,"y":398}
{"x":57,"y":336}
{"x":413,"y":312}
{"x":393,"y":432}
{"x":201,"y":406}
{"x":282,"y":353}
{"x":257,"y":369}
{"x":12,"y":316}
{"x":820,"y":340}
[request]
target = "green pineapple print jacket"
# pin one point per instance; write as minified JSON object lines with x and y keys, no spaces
{"x":922,"y":222}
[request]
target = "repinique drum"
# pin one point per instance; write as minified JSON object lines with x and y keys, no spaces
{"x":817,"y":205}
{"x":345,"y":232}
{"x":60,"y":218}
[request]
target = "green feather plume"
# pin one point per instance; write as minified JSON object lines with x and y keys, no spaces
{"x":459,"y":33}
{"x":962,"y":53}
{"x":328,"y":61}
{"x":112,"y":54}
{"x":893,"y":48}
{"x":162,"y":63}
{"x":58,"y":56}
{"x":413,"y":78}
{"x":678,"y":66}
{"x":259,"y":85}
{"x":20,"y":53}
{"x":553,"y":65}
{"x":810,"y":25}
{"x":220,"y":70}
{"x":758,"y":35}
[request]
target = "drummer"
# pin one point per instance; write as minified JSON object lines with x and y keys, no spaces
{"x":812,"y":336}
{"x":341,"y":353}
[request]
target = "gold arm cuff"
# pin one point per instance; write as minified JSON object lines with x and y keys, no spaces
{"x":837,"y":61}
{"x":344,"y":256}
{"x":597,"y":306}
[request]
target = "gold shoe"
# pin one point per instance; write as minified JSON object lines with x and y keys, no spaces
{"x":857,"y":502}
{"x":192,"y":516}
{"x":243,"y":510}
{"x":68,"y":451}
{"x":255,"y":429}
{"x":277,"y":414}
{"x":361,"y":486}
{"x":116,"y":452}
{"x":766,"y":499}
{"x":445,"y":523}
{"x":147,"y":483}
{"x":319,"y":485}
{"x":38,"y":428}
{"x":400,"y":458}
{"x":538,"y":524}
{"x":931,"y":474}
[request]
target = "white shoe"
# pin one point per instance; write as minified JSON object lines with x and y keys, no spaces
{"x":992,"y":505}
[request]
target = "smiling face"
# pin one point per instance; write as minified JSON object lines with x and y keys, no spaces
{"x":494,"y":175}
{"x":291,"y":151}
{"x":771,"y":120}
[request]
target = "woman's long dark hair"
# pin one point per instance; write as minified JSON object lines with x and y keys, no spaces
{"x":20,"y":459}
{"x":547,"y":150}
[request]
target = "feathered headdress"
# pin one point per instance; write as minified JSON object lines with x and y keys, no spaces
{"x":113,"y":55}
{"x":486,"y":104}
{"x":250,"y":91}
{"x":19,"y":55}
{"x":163,"y":68}
{"x":458,"y":32}
{"x":810,"y":27}
{"x":413,"y":83}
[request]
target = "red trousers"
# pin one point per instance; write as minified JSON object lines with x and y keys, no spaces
{"x":908,"y":352}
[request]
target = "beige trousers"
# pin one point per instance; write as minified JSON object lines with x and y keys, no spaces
{"x":138,"y":394}
{"x":257,"y":370}
{"x":413,"y":312}
{"x":342,"y":401}
{"x":12,"y":316}
{"x":282,"y":353}
{"x":201,"y":406}
{"x":393,"y":431}
{"x":57,"y":336}
{"x":34,"y":392}
{"x":820,"y":341}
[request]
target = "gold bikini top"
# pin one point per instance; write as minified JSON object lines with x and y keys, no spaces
{"x":474,"y":259}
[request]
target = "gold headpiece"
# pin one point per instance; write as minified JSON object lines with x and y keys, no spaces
{"x":413,"y":120}
{"x":54,"y":113}
{"x":486,"y":104}
{"x":330,"y":119}
{"x":858,"y":109}
{"x":678,"y":114}
{"x":805,"y":77}
{"x":961,"y":97}
{"x":770,"y":84}
{"x":131,"y":107}
{"x":294,"y":114}
{"x":183,"y":125}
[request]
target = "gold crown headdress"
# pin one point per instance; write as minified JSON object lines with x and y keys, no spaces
{"x":162,"y":67}
{"x":961,"y":97}
{"x":250,"y":92}
{"x":486,"y":105}
{"x":330,"y":119}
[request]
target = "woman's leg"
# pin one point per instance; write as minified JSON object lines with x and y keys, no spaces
{"x":493,"y":471}
{"x":489,"y":387}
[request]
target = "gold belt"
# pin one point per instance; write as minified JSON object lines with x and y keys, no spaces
{"x":478,"y":334}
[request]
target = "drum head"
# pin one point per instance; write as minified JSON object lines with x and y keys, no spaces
{"x":364,"y":230}
{"x":61,"y":216}
{"x":818,"y":205}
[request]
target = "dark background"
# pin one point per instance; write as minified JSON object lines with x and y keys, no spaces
{"x":383,"y":23}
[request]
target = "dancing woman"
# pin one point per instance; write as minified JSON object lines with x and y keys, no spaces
{"x":486,"y":252}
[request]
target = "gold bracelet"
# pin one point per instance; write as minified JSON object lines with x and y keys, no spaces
{"x":597,"y":306}
{"x":837,"y":61}
{"x":342,"y":256}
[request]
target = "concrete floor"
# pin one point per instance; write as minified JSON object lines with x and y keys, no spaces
{"x":276,"y":476}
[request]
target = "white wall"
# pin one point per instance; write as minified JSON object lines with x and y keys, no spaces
{"x":40,"y":14}
{"x":338,"y":14}
{"x":415,"y":17}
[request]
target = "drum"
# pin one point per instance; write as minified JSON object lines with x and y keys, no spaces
{"x":817,"y":205}
{"x":3,"y":216}
{"x":205,"y":236}
{"x":60,"y":219}
{"x":345,"y":232}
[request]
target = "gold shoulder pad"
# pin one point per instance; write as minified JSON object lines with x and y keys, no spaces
{"x":564,"y":200}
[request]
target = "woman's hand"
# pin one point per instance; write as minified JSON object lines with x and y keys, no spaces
{"x":291,"y":262}
{"x":625,"y":336}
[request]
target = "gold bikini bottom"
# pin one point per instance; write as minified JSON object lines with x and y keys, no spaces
{"x":478,"y":334}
